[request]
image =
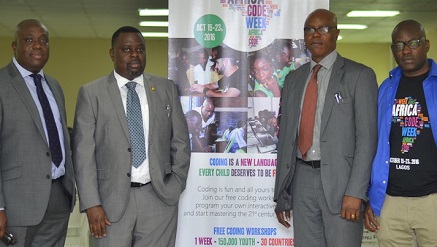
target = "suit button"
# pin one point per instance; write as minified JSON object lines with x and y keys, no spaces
{"x":129,"y":150}
{"x":48,"y":177}
{"x":48,"y":154}
{"x":128,"y":174}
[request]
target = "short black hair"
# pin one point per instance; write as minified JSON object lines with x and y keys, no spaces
{"x":191,"y":114}
{"x":125,"y":29}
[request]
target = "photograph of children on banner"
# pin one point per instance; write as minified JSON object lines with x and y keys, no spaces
{"x":212,"y":72}
{"x":262,"y":125}
{"x":215,"y":127}
{"x":269,"y":66}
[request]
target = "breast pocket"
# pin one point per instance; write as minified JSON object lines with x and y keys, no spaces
{"x":343,"y":103}
{"x":163,"y":122}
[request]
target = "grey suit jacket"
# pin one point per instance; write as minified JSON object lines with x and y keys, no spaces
{"x":25,"y":162}
{"x":102,"y":147}
{"x":348,"y":133}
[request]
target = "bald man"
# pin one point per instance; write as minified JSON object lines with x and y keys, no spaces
{"x":37,"y":191}
{"x":323,"y":171}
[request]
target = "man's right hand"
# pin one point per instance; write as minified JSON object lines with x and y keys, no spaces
{"x":283,"y":217}
{"x":370,"y":219}
{"x":97,"y":220}
{"x":3,"y":223}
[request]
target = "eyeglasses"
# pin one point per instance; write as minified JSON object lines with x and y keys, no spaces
{"x":320,"y":30}
{"x":413,"y":44}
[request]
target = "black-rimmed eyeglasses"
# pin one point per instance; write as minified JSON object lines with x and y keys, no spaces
{"x":413,"y":44}
{"x":320,"y":30}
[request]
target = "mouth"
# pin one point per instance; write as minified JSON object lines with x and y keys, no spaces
{"x":316,"y":43}
{"x":135,"y":65}
{"x":408,"y":59}
{"x":37,"y":56}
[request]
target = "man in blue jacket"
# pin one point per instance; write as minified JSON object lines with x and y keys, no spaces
{"x":402,"y":204}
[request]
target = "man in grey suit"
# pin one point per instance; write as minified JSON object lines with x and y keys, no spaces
{"x":37,"y":191}
{"x":130,"y":201}
{"x":324,"y":184}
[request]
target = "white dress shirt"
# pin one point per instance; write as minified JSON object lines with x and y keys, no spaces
{"x":140,"y":174}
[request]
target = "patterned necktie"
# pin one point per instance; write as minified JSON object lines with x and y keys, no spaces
{"x":52,"y":130}
{"x":135,"y":124}
{"x":308,"y":114}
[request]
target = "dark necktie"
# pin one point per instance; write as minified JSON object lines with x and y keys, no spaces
{"x":52,"y":131}
{"x":135,"y":124}
{"x":308,"y":114}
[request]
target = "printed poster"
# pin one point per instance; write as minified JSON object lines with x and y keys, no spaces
{"x":229,"y":60}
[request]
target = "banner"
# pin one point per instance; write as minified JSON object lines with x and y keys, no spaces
{"x":229,"y":59}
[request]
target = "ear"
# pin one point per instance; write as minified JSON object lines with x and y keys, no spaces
{"x":111,"y":54}
{"x":14,"y":46}
{"x":427,"y":45}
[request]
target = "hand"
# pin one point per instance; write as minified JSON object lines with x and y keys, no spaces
{"x":283,"y":217}
{"x":197,"y":88}
{"x":272,"y":85}
{"x":350,"y":208}
{"x":207,"y":149}
{"x":370,"y":219}
{"x":97,"y":221}
{"x":3,"y":223}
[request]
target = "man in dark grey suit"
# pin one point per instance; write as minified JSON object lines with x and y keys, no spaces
{"x":130,"y":201}
{"x":37,"y":191}
{"x":324,"y":184}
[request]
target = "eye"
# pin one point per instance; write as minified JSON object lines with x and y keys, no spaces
{"x":399,"y":46}
{"x":323,"y":30}
{"x":414,"y":43}
{"x":28,"y":40}
{"x":140,"y":49}
{"x":309,"y":30}
{"x":126,"y":50}
{"x":265,"y":69}
{"x":44,"y":41}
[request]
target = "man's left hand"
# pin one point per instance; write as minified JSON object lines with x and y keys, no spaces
{"x":350,"y":209}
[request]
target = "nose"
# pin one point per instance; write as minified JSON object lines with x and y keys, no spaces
{"x":406,"y":49}
{"x":316,"y":33}
{"x":36,"y":45}
{"x":134,"y":53}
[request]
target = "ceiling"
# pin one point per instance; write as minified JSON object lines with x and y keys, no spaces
{"x":100,"y":18}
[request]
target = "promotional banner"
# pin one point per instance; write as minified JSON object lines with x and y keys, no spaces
{"x":229,"y":59}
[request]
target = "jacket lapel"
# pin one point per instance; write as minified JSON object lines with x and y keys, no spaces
{"x":114,"y":94}
{"x":151,"y":92}
{"x":334,"y":83}
{"x":20,"y":86}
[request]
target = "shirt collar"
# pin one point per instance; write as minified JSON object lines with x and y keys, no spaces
{"x":121,"y":81}
{"x":24,"y":72}
{"x":327,"y":61}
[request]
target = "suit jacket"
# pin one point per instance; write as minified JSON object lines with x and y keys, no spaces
{"x":25,"y":161}
{"x":348,"y":133}
{"x":102,"y":144}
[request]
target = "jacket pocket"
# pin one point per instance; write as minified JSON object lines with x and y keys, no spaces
{"x":167,"y":168}
{"x":11,"y":173}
